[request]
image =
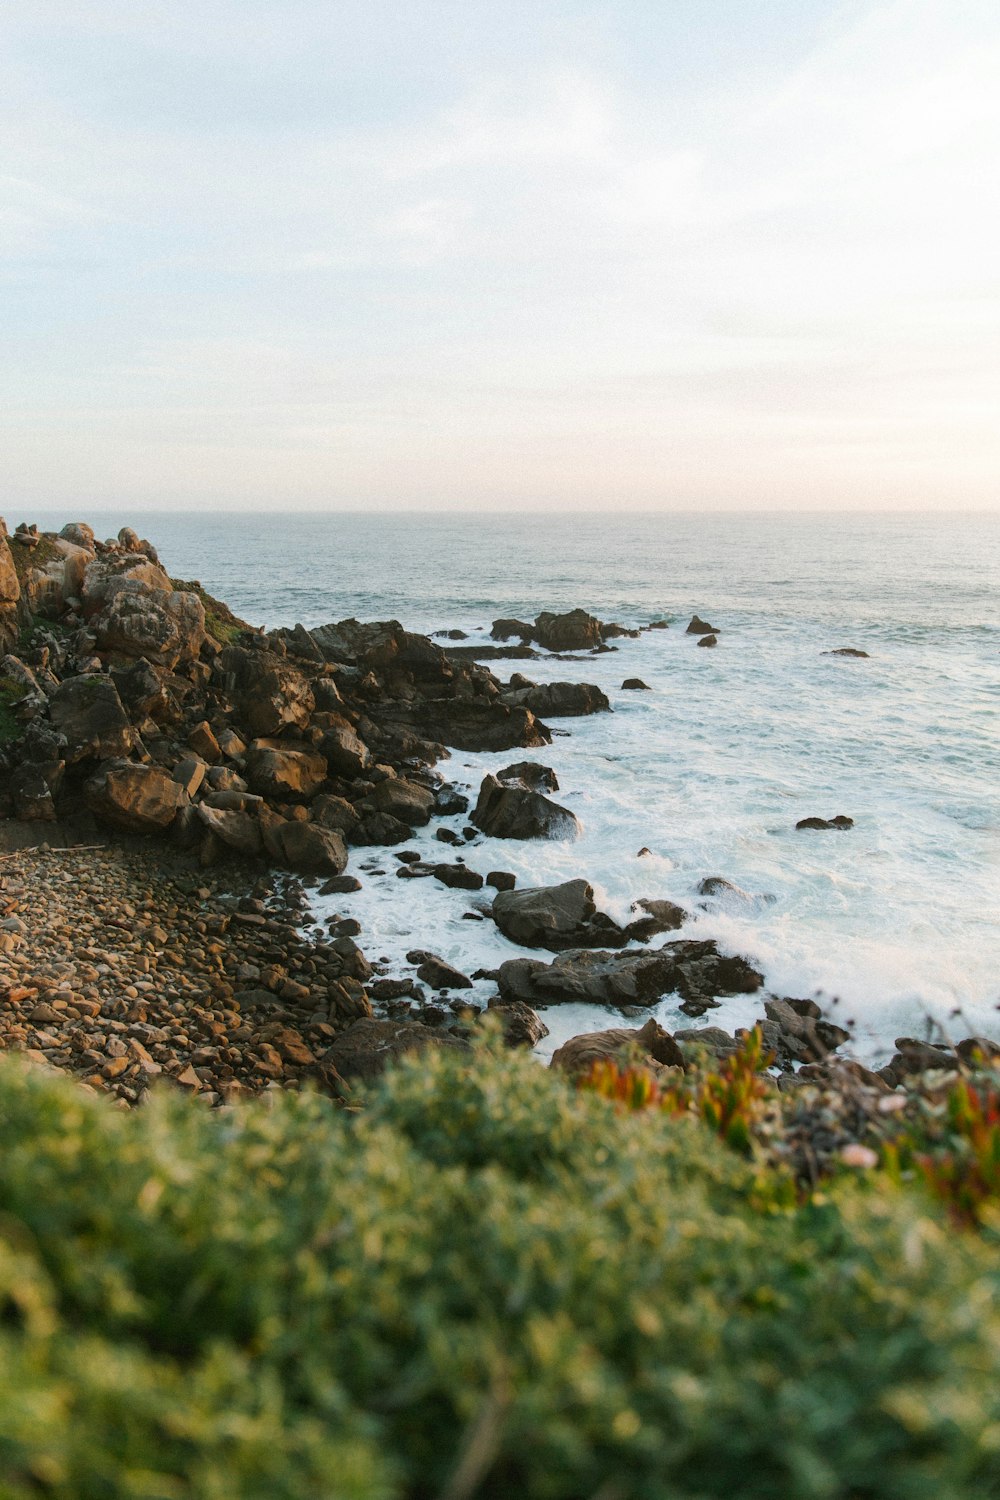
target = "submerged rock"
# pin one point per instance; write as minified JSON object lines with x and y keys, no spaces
{"x":840,"y":822}
{"x":698,"y":626}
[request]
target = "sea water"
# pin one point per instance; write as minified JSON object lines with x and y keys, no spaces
{"x":894,"y":925}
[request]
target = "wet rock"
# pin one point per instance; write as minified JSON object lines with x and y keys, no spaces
{"x":449,"y":803}
{"x":364,"y":1050}
{"x":709,"y":640}
{"x":698,"y":626}
{"x":458,"y":877}
{"x":657,"y":1048}
{"x":88,"y":712}
{"x":559,"y":700}
{"x":513,"y":813}
{"x":436,"y":972}
{"x":505,"y":630}
{"x":694,"y":970}
{"x":137,"y":798}
{"x":555,"y":917}
{"x":573,"y":631}
{"x":839,"y":822}
{"x":635,"y":685}
{"x":803,"y":1036}
{"x":847,"y":651}
{"x":501,"y":880}
{"x":530,"y":775}
{"x":658,"y":916}
{"x":522,"y":1027}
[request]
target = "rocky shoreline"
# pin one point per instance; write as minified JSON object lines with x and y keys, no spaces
{"x":169,"y":775}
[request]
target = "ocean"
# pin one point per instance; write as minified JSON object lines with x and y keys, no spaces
{"x":893,"y":925}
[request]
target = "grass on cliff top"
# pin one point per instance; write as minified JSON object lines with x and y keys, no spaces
{"x":483,"y":1284}
{"x":26,"y":558}
{"x":220,"y":622}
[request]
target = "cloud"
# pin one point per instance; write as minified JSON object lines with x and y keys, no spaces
{"x":526,"y":259}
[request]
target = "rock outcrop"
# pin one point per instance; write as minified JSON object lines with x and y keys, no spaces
{"x":555,"y":917}
{"x":510,"y":812}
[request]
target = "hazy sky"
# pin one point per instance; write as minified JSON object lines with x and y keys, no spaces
{"x":481,"y":253}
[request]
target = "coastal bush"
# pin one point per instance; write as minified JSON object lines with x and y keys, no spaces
{"x":483,"y":1283}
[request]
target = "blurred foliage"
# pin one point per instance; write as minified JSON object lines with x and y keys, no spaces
{"x":486,"y":1283}
{"x":954,"y":1143}
{"x":728,"y":1097}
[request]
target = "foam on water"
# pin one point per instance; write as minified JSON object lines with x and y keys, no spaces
{"x":711,"y":769}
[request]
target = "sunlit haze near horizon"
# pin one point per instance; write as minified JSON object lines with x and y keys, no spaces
{"x":308,"y":254}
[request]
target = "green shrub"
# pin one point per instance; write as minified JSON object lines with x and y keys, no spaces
{"x":485,"y":1283}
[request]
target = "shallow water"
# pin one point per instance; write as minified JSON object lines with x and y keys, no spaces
{"x":897,"y":919}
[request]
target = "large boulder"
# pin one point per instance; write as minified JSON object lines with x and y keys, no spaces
{"x":311,"y":850}
{"x":167,"y":628}
{"x":656,"y":1047}
{"x":404,"y":800}
{"x":559,"y":700}
{"x":346,"y":753}
{"x":104,"y":575}
{"x":88,"y":713}
{"x":522,"y":1026}
{"x":137,"y":798}
{"x":593,"y":977}
{"x":467,"y":723}
{"x":237,"y":829}
{"x":271,"y":694}
{"x":366,"y":1048}
{"x":694,"y":970}
{"x":10,"y":593}
{"x":573,"y":631}
{"x":529,"y":774}
{"x":283,"y":772}
{"x":555,"y":917}
{"x":510,"y":812}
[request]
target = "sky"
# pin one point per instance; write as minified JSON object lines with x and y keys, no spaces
{"x":499,"y":254}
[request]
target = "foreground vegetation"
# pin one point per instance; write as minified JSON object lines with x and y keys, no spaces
{"x":482,"y":1283}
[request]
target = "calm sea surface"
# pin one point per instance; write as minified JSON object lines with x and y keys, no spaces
{"x":897,"y":920}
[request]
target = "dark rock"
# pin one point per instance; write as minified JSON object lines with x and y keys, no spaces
{"x":137,"y":798}
{"x":336,"y":813}
{"x":838,"y":822}
{"x":449,"y":803}
{"x":436,"y":972}
{"x":447,"y":836}
{"x":559,"y":700}
{"x":346,"y":753}
{"x":32,"y":788}
{"x":803,"y":1038}
{"x":311,"y":850}
{"x":555,"y":917}
{"x":88,"y":712}
{"x":272,"y":695}
{"x":847,"y":651}
{"x":709,"y":640}
{"x":166,"y":627}
{"x":458,"y":877}
{"x":656,"y":1046}
{"x":366,"y":1048}
{"x":282,"y":772}
{"x":404,"y":800}
{"x":239,"y":831}
{"x":513,"y":813}
{"x":501,"y":880}
{"x":635,"y":685}
{"x":573,"y":631}
{"x":530,"y":775}
{"x":503,"y":630}
{"x":522,"y":1027}
{"x":694,"y":970}
{"x":973,"y":1047}
{"x":659,"y":916}
{"x":340,"y":885}
{"x":698,"y":626}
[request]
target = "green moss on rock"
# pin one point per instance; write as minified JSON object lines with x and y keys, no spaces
{"x":220,"y":622}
